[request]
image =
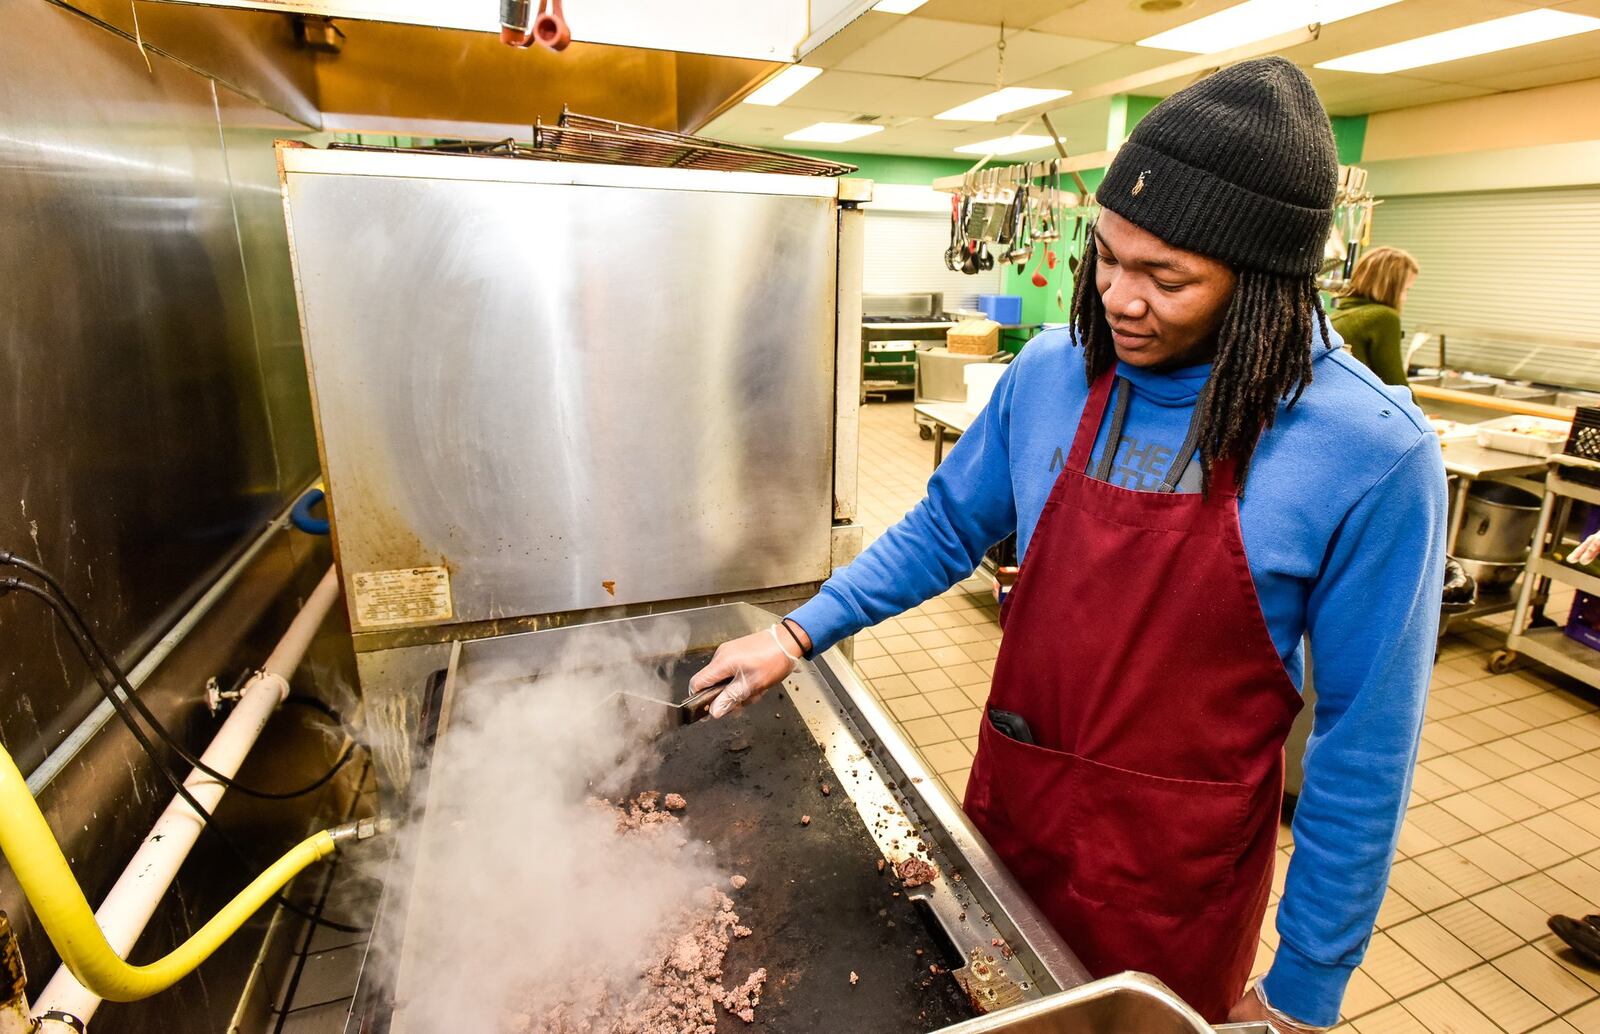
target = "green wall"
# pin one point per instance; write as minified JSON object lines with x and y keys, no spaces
{"x":1350,"y":136}
{"x":896,"y":168}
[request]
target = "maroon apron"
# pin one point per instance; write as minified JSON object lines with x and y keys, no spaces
{"x":1143,"y":818}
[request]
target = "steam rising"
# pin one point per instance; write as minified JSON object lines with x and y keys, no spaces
{"x":522,"y":889}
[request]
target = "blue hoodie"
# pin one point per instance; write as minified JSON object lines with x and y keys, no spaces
{"x":1343,"y":518}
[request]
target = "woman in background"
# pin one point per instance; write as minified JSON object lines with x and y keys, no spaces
{"x":1367,"y":313}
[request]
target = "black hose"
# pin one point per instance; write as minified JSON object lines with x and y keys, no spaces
{"x":64,"y":611}
{"x":83,"y":633}
{"x":315,"y":704}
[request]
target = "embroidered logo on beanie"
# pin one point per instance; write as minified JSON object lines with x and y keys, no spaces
{"x":1138,"y":188}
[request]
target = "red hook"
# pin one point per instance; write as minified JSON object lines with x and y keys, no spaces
{"x":549,"y":29}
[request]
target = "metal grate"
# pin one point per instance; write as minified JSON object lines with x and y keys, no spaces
{"x":585,"y":138}
{"x":589,"y":139}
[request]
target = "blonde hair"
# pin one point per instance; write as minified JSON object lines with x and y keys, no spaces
{"x":1381,"y":275}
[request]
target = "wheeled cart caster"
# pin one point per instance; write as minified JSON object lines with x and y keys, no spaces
{"x":1502,"y":661}
{"x":925,"y":432}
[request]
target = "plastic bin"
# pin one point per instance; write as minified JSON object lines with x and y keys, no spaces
{"x":1526,"y":435}
{"x":981,"y":379}
{"x":1004,"y":309}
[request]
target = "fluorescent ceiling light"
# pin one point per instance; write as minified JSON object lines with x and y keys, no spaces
{"x":1006,"y":145}
{"x":833,"y":132}
{"x":898,"y":6}
{"x":783,"y":85}
{"x":1256,"y":20}
{"x":992,"y":105}
{"x":1517,"y":30}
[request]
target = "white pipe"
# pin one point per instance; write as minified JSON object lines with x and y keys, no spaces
{"x":79,"y":738}
{"x":133,"y":900}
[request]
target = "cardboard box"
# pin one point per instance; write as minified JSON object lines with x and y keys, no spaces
{"x":974,"y":337}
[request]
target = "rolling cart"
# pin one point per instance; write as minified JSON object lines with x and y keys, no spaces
{"x":1550,"y":645}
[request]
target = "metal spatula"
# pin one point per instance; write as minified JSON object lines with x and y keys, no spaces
{"x":662,"y":715}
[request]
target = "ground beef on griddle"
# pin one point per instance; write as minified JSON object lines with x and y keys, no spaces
{"x":679,"y":993}
{"x":914,"y":872}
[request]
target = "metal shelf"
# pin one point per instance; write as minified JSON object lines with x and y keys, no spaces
{"x":1552,"y":647}
{"x":1572,"y":489}
{"x":1565,"y":574}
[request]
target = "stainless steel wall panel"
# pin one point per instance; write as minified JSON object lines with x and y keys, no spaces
{"x":254,"y":52}
{"x":139,"y":431}
{"x":138,"y":448}
{"x":248,"y":134}
{"x":569,"y":396}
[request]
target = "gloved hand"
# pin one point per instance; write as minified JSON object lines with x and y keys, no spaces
{"x":755,"y":663}
{"x":1254,"y":1006}
{"x":1586,"y":552}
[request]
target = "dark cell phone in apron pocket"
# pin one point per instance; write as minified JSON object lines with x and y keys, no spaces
{"x":1011,"y":724}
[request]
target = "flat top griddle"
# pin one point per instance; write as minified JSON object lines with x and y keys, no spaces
{"x":816,"y":904}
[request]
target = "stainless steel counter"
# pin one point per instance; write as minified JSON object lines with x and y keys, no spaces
{"x":1471,"y":460}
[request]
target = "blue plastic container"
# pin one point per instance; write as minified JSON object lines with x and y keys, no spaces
{"x":1004,"y":309}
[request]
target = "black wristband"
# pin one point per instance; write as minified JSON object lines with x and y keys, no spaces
{"x":798,"y":645}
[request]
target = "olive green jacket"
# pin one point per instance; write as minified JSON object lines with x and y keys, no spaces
{"x":1372,"y":333}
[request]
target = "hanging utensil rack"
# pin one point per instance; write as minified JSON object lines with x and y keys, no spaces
{"x":1024,"y":213}
{"x":1353,"y":207}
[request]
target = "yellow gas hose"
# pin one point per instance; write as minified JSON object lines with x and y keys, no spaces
{"x":51,"y":889}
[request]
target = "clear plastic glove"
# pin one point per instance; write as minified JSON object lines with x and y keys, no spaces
{"x":1255,"y":1007}
{"x":1586,"y":552}
{"x":754,"y":663}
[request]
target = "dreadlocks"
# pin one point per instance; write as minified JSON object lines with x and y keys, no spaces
{"x":1262,"y":356}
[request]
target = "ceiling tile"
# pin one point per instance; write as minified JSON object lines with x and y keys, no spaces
{"x":883,"y":94}
{"x":1351,"y":87}
{"x":1548,"y":75}
{"x":1119,"y":21}
{"x":851,"y":38}
{"x":1027,"y":54}
{"x":916,"y":46}
{"x":750,"y":123}
{"x":1518,"y":59}
{"x":929,"y":138}
{"x":1019,"y":14}
{"x":1394,"y":24}
{"x":1411,"y":98}
{"x":1102,"y":68}
{"x":909,"y":68}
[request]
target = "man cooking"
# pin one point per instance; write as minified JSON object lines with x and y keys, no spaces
{"x":1199,"y":477}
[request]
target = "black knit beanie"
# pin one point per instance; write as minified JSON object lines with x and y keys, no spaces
{"x":1241,"y":166}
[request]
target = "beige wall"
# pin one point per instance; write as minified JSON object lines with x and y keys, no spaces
{"x":1562,"y":114}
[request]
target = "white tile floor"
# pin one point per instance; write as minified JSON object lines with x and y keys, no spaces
{"x":1503,"y":829}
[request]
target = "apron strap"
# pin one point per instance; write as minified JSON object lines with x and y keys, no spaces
{"x":1191,"y":443}
{"x":1119,"y":418}
{"x":1222,"y":479}
{"x":1094,"y":411}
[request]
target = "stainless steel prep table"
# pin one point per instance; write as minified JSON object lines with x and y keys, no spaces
{"x":1468,"y":461}
{"x":945,"y":416}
